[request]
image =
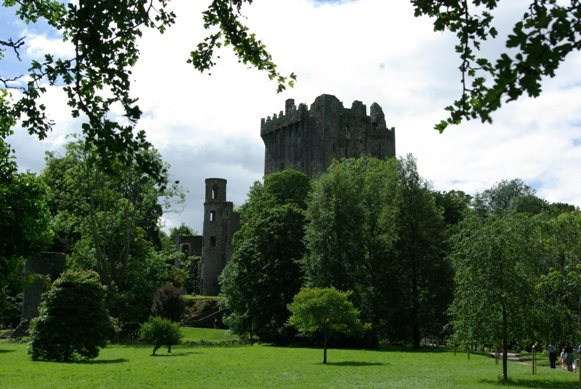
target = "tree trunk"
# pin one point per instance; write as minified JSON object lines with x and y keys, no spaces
{"x":415,"y":307}
{"x":324,"y":350}
{"x":504,"y":344}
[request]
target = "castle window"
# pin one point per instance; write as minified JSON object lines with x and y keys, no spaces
{"x":212,"y":216}
{"x":185,"y":248}
{"x":215,"y":192}
{"x":212,"y":241}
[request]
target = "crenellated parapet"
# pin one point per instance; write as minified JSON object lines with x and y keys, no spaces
{"x":308,"y":139}
{"x":291,"y":115}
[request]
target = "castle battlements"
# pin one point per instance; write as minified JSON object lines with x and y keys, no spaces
{"x":308,"y":139}
{"x":292,"y":114}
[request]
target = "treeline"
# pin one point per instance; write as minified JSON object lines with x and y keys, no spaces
{"x":106,"y":220}
{"x":500,"y":267}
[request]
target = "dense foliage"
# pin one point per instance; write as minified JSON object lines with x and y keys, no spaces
{"x":517,"y":271}
{"x":24,"y":229}
{"x":263,"y":274}
{"x":325,"y":312}
{"x":160,"y":331}
{"x":374,"y":228}
{"x":73,"y":320}
{"x":109,"y":223}
{"x":168,"y":303}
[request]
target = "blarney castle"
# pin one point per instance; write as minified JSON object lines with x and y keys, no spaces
{"x":302,"y":138}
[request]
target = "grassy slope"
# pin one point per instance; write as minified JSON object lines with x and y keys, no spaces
{"x":267,"y":367}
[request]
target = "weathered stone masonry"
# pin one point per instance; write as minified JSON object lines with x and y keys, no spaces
{"x":220,"y":223}
{"x":308,"y":140}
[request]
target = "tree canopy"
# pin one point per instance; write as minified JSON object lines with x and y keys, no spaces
{"x":517,"y":273}
{"x":25,"y":229}
{"x":109,"y":223}
{"x":73,"y":320}
{"x":373,"y":227}
{"x":97,"y":78}
{"x":325,"y":312}
{"x":264,"y":274}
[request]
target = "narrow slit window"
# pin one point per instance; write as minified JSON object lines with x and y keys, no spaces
{"x":212,"y":216}
{"x":212,"y":241}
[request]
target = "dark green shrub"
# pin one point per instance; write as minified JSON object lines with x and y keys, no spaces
{"x":168,"y":303}
{"x":160,"y":332}
{"x":73,"y":321}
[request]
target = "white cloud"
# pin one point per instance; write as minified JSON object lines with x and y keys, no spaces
{"x":368,"y":50}
{"x":40,"y":44}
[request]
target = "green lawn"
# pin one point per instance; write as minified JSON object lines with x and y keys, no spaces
{"x":260,"y":366}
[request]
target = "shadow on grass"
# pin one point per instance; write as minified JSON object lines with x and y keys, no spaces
{"x":6,"y":351}
{"x":178,"y":354}
{"x":533,"y":383}
{"x":100,"y":362}
{"x":355,"y":363}
{"x":409,"y":349}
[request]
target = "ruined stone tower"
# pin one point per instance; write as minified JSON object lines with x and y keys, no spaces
{"x":309,"y":139}
{"x":220,"y":223}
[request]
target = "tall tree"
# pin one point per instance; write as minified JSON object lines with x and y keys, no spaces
{"x":496,"y":260}
{"x":560,"y":284}
{"x":424,"y":276}
{"x":374,"y":228}
{"x":351,"y":233}
{"x":109,"y":223}
{"x":263,"y":274}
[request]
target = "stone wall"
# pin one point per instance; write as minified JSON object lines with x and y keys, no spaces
{"x":308,"y":140}
{"x":36,"y":270}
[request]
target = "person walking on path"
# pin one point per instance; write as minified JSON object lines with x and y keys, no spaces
{"x":569,"y":357}
{"x":562,"y":358}
{"x":552,"y":355}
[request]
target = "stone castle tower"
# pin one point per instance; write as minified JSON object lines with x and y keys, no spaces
{"x":309,"y":139}
{"x":220,"y":223}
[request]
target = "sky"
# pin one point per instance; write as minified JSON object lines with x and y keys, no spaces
{"x":368,"y":50}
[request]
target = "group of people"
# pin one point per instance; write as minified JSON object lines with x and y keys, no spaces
{"x":568,"y":357}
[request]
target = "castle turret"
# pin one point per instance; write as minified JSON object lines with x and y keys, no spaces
{"x":220,"y":223}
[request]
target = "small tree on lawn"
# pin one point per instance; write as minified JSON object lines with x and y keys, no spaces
{"x":73,"y":320}
{"x":324,"y":311}
{"x":159,"y":332}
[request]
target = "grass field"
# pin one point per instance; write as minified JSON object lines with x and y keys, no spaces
{"x":259,"y":366}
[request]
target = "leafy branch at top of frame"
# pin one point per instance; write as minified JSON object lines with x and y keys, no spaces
{"x":547,"y":32}
{"x":224,"y":15}
{"x":104,"y":34}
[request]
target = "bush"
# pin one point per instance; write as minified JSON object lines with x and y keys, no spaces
{"x":159,"y":332}
{"x":168,"y":303}
{"x":73,"y":321}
